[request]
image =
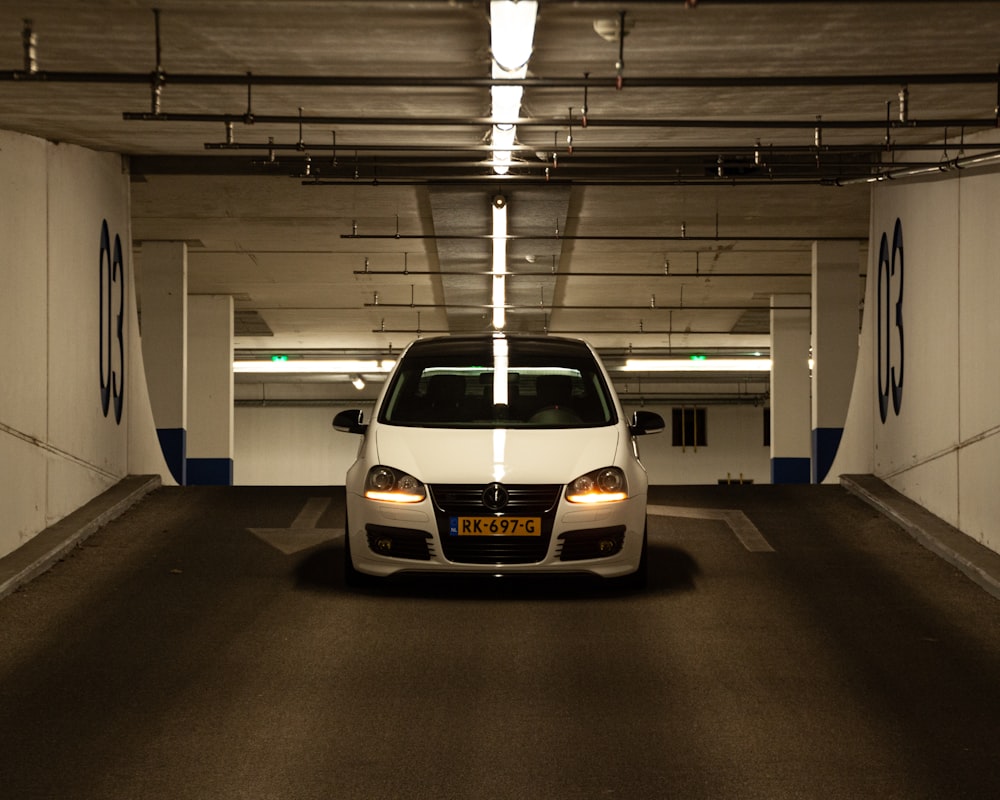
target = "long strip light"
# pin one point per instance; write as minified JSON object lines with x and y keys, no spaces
{"x":698,"y":364}
{"x":499,"y":266}
{"x":305,"y":365}
{"x":512,"y":30}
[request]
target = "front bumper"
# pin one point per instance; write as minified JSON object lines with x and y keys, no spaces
{"x":604,"y":540}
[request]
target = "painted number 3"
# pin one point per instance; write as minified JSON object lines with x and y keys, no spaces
{"x":890,"y":323}
{"x":112,"y":341}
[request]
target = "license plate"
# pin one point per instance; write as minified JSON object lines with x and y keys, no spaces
{"x":496,"y":526}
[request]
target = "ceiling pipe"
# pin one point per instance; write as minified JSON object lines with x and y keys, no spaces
{"x":390,"y":352}
{"x":401,"y":162}
{"x":542,"y":180}
{"x":581,"y":152}
{"x":522,"y":174}
{"x":589,"y":332}
{"x":588,"y":168}
{"x":519,"y":274}
{"x":664,"y":163}
{"x":535,"y":308}
{"x":385,"y":171}
{"x":608,"y":237}
{"x":438,"y":82}
{"x":558,"y":122}
{"x":962,"y":162}
{"x":642,"y":398}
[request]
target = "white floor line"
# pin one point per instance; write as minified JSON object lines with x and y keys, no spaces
{"x":748,"y":534}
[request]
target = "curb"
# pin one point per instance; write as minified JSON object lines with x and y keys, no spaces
{"x":42,"y":551}
{"x":978,"y":562}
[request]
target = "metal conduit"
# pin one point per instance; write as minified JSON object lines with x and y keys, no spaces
{"x":962,"y":162}
{"x":538,"y":274}
{"x":447,"y":82}
{"x":574,"y":332}
{"x":582,"y":151}
{"x":538,"y":180}
{"x":560,"y":122}
{"x":550,"y":307}
{"x":608,"y":237}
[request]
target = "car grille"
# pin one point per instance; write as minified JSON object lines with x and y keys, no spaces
{"x":468,"y":499}
{"x":453,"y":500}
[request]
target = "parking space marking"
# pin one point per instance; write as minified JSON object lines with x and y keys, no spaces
{"x":739,"y":523}
{"x":303,"y":532}
{"x":311,"y":512}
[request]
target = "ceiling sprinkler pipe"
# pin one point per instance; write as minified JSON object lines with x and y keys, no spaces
{"x":963,"y":162}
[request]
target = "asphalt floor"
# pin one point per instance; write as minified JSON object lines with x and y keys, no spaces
{"x":976,"y":561}
{"x":793,"y":642}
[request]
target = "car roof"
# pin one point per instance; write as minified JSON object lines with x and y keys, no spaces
{"x":474,"y":343}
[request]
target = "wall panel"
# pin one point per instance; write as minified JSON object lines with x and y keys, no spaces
{"x":59,"y":446}
{"x":285,"y":445}
{"x":942,"y":448}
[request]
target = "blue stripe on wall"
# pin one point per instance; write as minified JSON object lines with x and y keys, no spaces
{"x":825,"y":442}
{"x":210,"y":472}
{"x":790,"y":470}
{"x":173,"y":443}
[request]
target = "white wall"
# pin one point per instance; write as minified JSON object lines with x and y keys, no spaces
{"x":23,"y":323}
{"x":296,"y":445}
{"x":58,"y":449}
{"x":290,"y":446}
{"x":943,"y":447}
{"x":734,"y":448}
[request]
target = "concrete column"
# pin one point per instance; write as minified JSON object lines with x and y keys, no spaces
{"x":210,"y":390}
{"x":162,"y":284}
{"x":790,"y":405}
{"x":835,"y":325}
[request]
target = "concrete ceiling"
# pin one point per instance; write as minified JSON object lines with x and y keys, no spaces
{"x":325,"y":160}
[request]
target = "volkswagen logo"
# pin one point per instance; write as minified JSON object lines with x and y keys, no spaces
{"x":495,"y":497}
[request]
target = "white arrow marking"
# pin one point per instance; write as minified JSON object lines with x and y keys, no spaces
{"x":303,"y":534}
{"x":738,"y":522}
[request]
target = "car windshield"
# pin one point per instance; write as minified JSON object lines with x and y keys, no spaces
{"x":498,"y":383}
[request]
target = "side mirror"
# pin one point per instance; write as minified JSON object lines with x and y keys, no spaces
{"x":644,"y":422}
{"x":350,"y":421}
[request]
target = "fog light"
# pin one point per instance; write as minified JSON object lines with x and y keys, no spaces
{"x":383,"y":544}
{"x":606,"y":546}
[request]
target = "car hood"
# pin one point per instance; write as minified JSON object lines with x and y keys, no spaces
{"x":506,"y":455}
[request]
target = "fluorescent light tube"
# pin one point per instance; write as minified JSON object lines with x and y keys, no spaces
{"x":698,"y":365}
{"x":512,"y":30}
{"x":294,"y":365}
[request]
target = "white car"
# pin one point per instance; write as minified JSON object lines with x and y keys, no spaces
{"x":497,"y":454}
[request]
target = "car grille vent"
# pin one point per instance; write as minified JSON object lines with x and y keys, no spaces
{"x":498,"y":550}
{"x":522,"y":499}
{"x":454,"y":500}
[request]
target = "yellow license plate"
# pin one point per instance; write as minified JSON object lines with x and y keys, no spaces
{"x":496,"y":526}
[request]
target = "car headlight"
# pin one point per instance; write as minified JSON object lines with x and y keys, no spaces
{"x":607,"y":485}
{"x":393,"y":486}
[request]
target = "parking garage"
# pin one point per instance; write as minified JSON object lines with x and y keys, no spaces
{"x":774,"y":221}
